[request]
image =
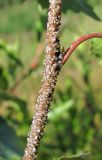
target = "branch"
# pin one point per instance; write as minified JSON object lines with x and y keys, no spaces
{"x":76,"y":43}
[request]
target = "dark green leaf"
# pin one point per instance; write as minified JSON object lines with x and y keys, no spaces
{"x":15,"y":59}
{"x":74,"y":5}
{"x":3,"y":80}
{"x":44,"y":3}
{"x":21,"y":103}
{"x":11,"y":146}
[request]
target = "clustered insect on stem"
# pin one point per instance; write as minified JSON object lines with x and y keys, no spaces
{"x":53,"y":63}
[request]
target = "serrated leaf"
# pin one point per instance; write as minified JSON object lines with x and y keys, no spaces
{"x":74,"y":5}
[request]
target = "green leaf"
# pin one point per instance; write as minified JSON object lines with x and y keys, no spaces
{"x":79,"y":6}
{"x":58,"y":112}
{"x":44,"y":3}
{"x":74,"y":5}
{"x":11,"y":146}
{"x":96,"y":47}
{"x":3,"y":80}
{"x":10,"y":50}
{"x":2,"y":44}
{"x":8,"y":97}
{"x":21,"y":103}
{"x":16,"y":60}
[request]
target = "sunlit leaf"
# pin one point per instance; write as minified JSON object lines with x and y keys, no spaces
{"x":96,"y":47}
{"x":10,"y":50}
{"x":58,"y":112}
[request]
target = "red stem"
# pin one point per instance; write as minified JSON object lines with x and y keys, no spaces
{"x":76,"y":43}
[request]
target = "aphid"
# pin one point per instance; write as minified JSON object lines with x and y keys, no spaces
{"x":58,"y":66}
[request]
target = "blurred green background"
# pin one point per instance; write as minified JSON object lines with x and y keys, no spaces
{"x":74,"y":129}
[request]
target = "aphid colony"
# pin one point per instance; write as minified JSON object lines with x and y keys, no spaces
{"x":52,"y":63}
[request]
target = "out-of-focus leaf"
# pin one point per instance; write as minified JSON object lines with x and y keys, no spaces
{"x":21,"y":103}
{"x":44,"y":3}
{"x":11,"y":146}
{"x":15,"y":59}
{"x":100,"y":62}
{"x":2,"y":44}
{"x":13,"y":64}
{"x":40,"y":24}
{"x":7,"y":97}
{"x":42,"y":11}
{"x":10,"y":50}
{"x":58,"y":112}
{"x":96,"y":48}
{"x":3,"y":80}
{"x":74,"y":5}
{"x":80,"y":6}
{"x":82,"y":156}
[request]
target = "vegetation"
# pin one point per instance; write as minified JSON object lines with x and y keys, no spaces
{"x":74,"y":129}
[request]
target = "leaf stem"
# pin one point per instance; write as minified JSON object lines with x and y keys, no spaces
{"x":77,"y":42}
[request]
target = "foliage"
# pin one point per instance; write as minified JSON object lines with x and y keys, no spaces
{"x":5,"y":3}
{"x":10,"y":143}
{"x":74,"y":127}
{"x":74,"y":5}
{"x":11,"y":146}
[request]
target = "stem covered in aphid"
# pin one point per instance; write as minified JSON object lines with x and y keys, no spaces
{"x":52,"y":63}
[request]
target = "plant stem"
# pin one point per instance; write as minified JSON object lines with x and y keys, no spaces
{"x":52,"y":63}
{"x":76,"y":43}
